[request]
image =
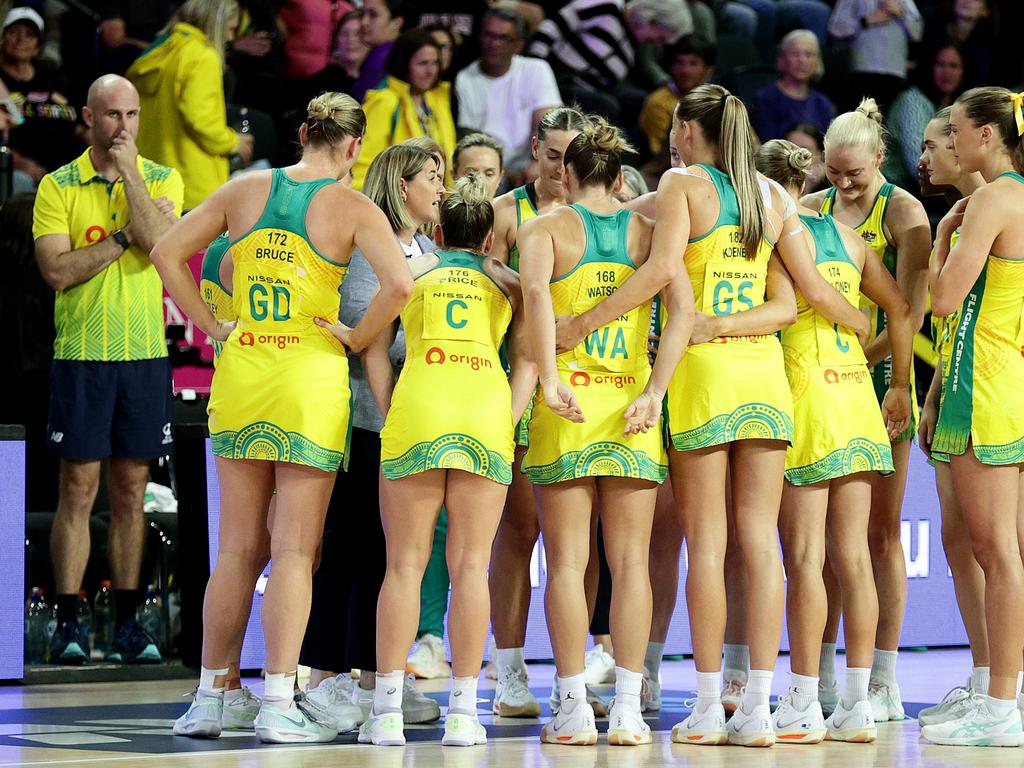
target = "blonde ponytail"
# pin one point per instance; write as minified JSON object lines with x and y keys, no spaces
{"x":861,"y":128}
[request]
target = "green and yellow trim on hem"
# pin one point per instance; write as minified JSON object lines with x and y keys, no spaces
{"x":451,"y":451}
{"x":523,"y":427}
{"x":752,"y":421}
{"x":605,"y":459}
{"x":859,"y":455}
{"x":265,"y":441}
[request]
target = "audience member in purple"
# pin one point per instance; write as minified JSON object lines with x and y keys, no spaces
{"x":383,"y":22}
{"x":791,"y":99}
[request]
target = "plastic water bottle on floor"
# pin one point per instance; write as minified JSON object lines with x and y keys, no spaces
{"x":83,"y":612}
{"x":103,"y":617}
{"x":36,"y":617}
{"x":150,"y":617}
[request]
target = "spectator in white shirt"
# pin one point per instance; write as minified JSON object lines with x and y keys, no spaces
{"x":505,"y":94}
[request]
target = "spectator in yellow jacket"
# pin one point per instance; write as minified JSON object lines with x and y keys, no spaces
{"x":410,"y":102}
{"x":180,"y":79}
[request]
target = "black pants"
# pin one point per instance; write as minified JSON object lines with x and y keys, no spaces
{"x":601,"y":624}
{"x":342,"y":627}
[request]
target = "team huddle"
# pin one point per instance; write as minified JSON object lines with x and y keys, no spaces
{"x":724,"y":358}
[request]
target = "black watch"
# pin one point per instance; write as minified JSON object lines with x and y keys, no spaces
{"x":121,"y":239}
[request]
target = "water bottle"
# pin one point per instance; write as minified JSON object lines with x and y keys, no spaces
{"x":6,"y":172}
{"x":103,"y":617}
{"x":149,"y":616}
{"x":36,"y":617}
{"x":83,"y":612}
{"x":235,"y":162}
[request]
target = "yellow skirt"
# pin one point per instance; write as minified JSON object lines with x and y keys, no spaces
{"x":733,"y":388}
{"x":560,"y":450}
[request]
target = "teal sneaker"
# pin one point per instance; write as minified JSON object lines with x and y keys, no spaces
{"x":203,"y":718}
{"x":240,"y":712}
{"x":66,"y":645}
{"x":133,"y":646}
{"x":978,"y":728}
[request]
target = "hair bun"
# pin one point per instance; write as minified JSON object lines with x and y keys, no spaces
{"x":318,"y":109}
{"x":800,"y":159}
{"x":472,"y":189}
{"x":869,"y":108}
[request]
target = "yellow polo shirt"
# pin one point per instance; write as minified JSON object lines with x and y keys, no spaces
{"x":118,"y":313}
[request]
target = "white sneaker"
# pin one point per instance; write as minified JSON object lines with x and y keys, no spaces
{"x":732,"y":693}
{"x":596,"y":702}
{"x":954,"y":704}
{"x":828,"y":697}
{"x":491,"y":671}
{"x":427,"y":659}
{"x":751,"y":730}
{"x":978,"y":728}
{"x":650,"y":693}
{"x":417,"y":708}
{"x":599,"y":666}
{"x":202,"y":720}
{"x":885,"y":701}
{"x":363,"y":699}
{"x":512,"y":697}
{"x":626,"y":727}
{"x":334,"y":696}
{"x":575,"y":728}
{"x":300,"y":723}
{"x":385,"y":730}
{"x":855,"y":725}
{"x":461,"y":730}
{"x":706,"y":728}
{"x":240,"y":713}
{"x":794,"y":726}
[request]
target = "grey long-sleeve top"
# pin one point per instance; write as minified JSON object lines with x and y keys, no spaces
{"x":881,"y":48}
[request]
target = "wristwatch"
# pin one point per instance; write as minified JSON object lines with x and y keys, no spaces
{"x":121,"y":239}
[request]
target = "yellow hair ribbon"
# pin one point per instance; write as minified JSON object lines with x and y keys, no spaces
{"x":1018,"y":110}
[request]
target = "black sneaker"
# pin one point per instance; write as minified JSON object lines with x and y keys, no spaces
{"x":133,"y":646}
{"x":64,"y":645}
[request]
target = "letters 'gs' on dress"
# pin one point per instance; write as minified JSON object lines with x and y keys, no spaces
{"x":280,"y":391}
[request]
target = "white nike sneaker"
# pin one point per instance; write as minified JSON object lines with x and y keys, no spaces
{"x":855,"y":725}
{"x":240,"y":713}
{"x":978,"y":728}
{"x":732,"y":693}
{"x":704,"y":728}
{"x":512,"y":698}
{"x":334,"y":696}
{"x":794,"y":726}
{"x":416,"y":707}
{"x":461,"y":730}
{"x":575,"y":728}
{"x":599,"y":666}
{"x":751,"y":730}
{"x":596,"y":702}
{"x":885,"y":702}
{"x":626,"y":727}
{"x":385,"y":730}
{"x":828,"y":697}
{"x":202,"y":720}
{"x":300,"y":723}
{"x":650,"y":693}
{"x":954,"y":704}
{"x":427,"y":659}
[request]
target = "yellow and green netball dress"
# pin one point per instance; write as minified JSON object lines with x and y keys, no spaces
{"x":943,"y":329}
{"x":280,"y":391}
{"x":607,"y":371}
{"x":733,"y":387}
{"x":872,"y":230}
{"x":215,"y":294}
{"x":983,"y":403}
{"x":452,"y":405}
{"x":526,"y":209}
{"x":839,"y":427}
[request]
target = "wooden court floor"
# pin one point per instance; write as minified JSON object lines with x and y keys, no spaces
{"x":124,"y":725}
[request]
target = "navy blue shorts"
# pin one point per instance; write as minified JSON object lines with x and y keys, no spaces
{"x":100,"y":409}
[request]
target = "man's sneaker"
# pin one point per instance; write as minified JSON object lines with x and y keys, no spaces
{"x":978,"y":728}
{"x":732,"y":693}
{"x":828,"y":697}
{"x":461,"y":730}
{"x":600,"y":666}
{"x":133,"y":646}
{"x":512,"y":698}
{"x":794,"y":726}
{"x":383,"y":730}
{"x":596,"y":702}
{"x":626,"y":727}
{"x":66,"y":646}
{"x":491,"y":671}
{"x":240,"y":713}
{"x":300,"y":723}
{"x":856,"y":724}
{"x":885,"y":702}
{"x":575,"y":728}
{"x":704,"y":728}
{"x":417,"y":708}
{"x":334,"y":696}
{"x":202,"y":720}
{"x":427,"y":660}
{"x":650,"y":693}
{"x":751,"y":730}
{"x":953,"y":705}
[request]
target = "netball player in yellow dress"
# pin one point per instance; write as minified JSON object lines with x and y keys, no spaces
{"x":840,"y":436}
{"x":594,"y":437}
{"x":894,"y":224}
{"x":278,"y":412}
{"x":981,"y":421}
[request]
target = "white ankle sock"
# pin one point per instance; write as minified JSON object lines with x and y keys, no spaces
{"x":979,"y":679}
{"x":804,"y":690}
{"x":758,"y":690}
{"x":387,"y":693}
{"x":709,"y":690}
{"x":856,"y":686}
{"x":827,"y":665}
{"x":652,"y":660}
{"x":1000,"y":707}
{"x":279,"y":689}
{"x":736,"y":659}
{"x":883,"y":667}
{"x":627,"y":687}
{"x":206,"y":678}
{"x":462,"y":698}
{"x":571,"y":691}
{"x":510,"y":657}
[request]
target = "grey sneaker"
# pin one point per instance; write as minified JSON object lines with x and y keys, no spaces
{"x":240,"y":713}
{"x":299,"y":723}
{"x":202,"y":720}
{"x":417,"y":708}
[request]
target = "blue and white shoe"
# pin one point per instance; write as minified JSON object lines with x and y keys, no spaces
{"x":978,"y":728}
{"x":66,"y":645}
{"x":203,"y":718}
{"x":133,"y":646}
{"x":794,"y":726}
{"x":300,"y":723}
